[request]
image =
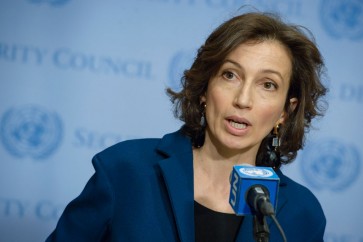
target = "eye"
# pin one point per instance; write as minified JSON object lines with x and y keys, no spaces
{"x":228,"y":75}
{"x":269,"y":85}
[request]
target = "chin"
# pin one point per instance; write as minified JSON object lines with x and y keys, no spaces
{"x":235,"y":146}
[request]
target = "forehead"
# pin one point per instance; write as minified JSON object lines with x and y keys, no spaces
{"x":271,"y":48}
{"x":270,"y":54}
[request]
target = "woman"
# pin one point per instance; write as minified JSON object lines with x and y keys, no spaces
{"x":255,"y":81}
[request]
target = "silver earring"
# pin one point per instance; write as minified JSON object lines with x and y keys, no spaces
{"x":202,"y":119}
{"x":274,"y":150}
{"x":276,"y":138}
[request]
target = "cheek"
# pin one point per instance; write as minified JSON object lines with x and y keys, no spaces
{"x":214,"y":108}
{"x":216,"y":99}
{"x":217,"y":104}
{"x":270,"y":114}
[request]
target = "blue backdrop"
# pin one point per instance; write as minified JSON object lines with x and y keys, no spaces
{"x":78,"y":76}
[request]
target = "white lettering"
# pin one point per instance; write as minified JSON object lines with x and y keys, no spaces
{"x":234,"y":189}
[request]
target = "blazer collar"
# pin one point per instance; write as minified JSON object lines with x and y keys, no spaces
{"x":177,"y":170}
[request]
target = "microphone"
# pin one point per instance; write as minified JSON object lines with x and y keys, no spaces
{"x":253,"y":190}
{"x":258,"y":198}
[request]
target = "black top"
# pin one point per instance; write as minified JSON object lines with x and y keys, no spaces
{"x":215,"y":226}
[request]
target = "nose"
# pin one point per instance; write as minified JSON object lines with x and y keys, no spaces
{"x":243,"y":97}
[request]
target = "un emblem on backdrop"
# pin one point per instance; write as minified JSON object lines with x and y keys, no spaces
{"x":30,"y":131}
{"x":330,"y":164}
{"x":343,"y":19}
{"x":181,"y":61}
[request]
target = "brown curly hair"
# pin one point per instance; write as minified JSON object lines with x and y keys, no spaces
{"x":305,"y":82}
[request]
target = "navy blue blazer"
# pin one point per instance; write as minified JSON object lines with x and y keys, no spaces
{"x":142,"y":190}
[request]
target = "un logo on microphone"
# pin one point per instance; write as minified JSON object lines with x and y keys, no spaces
{"x":30,"y":131}
{"x":342,"y":19}
{"x":330,"y":164}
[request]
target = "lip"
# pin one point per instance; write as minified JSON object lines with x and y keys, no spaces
{"x":234,"y":131}
{"x":238,"y":120}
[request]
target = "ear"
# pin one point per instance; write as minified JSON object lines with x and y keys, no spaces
{"x":203,"y":99}
{"x":293,"y":103}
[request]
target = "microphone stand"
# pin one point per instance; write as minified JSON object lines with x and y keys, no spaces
{"x":261,"y":231}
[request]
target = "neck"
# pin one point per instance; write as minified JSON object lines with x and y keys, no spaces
{"x":211,"y":180}
{"x":227,"y":157}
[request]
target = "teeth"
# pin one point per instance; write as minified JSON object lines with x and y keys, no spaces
{"x":237,"y":125}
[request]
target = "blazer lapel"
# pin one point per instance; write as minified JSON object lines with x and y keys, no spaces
{"x":177,"y":170}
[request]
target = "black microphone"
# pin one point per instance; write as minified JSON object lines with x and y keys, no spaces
{"x":258,"y":198}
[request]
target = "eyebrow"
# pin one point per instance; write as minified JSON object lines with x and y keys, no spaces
{"x":262,"y":70}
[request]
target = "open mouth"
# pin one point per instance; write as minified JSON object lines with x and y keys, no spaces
{"x":237,"y":125}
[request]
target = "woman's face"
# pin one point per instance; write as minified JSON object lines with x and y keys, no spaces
{"x":246,"y":98}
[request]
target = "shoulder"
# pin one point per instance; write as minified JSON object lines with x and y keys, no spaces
{"x":130,"y":152}
{"x":169,"y":144}
{"x":140,"y":153}
{"x":298,"y":193}
{"x":301,"y":206}
{"x":130,"y":148}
